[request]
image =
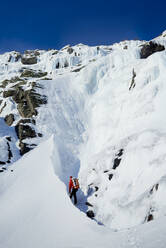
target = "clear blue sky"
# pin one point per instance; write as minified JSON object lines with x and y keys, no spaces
{"x":47,"y":24}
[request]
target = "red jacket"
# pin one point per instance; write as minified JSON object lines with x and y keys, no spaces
{"x":70,"y":184}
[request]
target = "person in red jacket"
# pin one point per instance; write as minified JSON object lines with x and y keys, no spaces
{"x":73,"y":187}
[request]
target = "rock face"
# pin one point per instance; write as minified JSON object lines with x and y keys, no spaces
{"x":14,"y":57}
{"x":13,"y":80}
{"x":9,"y":119}
{"x":24,"y":96}
{"x":33,"y":74}
{"x":24,"y":131}
{"x":29,"y":60}
{"x":132,"y":85}
{"x":27,"y":101}
{"x":90,"y":214}
{"x":30,"y":57}
{"x":6,"y":156}
{"x":117,"y":160}
{"x":150,"y":48}
{"x":70,"y":50}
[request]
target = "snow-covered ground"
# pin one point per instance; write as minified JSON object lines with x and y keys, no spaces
{"x":104,"y":122}
{"x":37,"y":212}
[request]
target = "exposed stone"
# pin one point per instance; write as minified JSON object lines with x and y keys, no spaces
{"x":32,"y":52}
{"x":88,"y":204}
{"x":70,"y":50}
{"x":9,"y":119}
{"x":156,"y":186}
{"x":12,"y":80}
{"x":66,"y":64}
{"x":150,"y":48}
{"x":120,"y":153}
{"x":132,"y":85}
{"x":25,"y":121}
{"x":40,"y":134}
{"x":24,"y":131}
{"x":4,"y":83}
{"x":125,"y":47}
{"x":16,"y":56}
{"x":8,"y":93}
{"x":46,"y":78}
{"x":2,"y":107}
{"x":150,"y":217}
{"x":110,"y":176}
{"x":10,"y":155}
{"x":19,"y":85}
{"x":90,"y":214}
{"x":29,"y":60}
{"x":58,"y":65}
{"x":1,"y":162}
{"x":117,"y":160}
{"x":24,"y":148}
{"x":28,"y":101}
{"x":78,"y":69}
{"x":55,"y":52}
{"x":116,"y":163}
{"x":9,"y":138}
{"x":32,"y":73}
{"x":96,"y":188}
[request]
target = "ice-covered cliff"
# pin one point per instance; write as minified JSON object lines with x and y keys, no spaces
{"x":105,"y":106}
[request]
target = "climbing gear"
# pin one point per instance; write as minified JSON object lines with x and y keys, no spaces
{"x":75,"y":183}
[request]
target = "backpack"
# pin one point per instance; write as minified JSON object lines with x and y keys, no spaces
{"x":76,"y":183}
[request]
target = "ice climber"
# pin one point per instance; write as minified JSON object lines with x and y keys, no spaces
{"x":73,"y":187}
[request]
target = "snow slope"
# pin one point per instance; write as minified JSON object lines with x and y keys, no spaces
{"x":42,"y":215}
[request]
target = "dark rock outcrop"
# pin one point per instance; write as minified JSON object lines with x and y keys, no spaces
{"x":7,"y":159}
{"x":33,"y":74}
{"x":78,"y":69}
{"x":9,"y":119}
{"x":24,"y":148}
{"x":70,"y":50}
{"x":150,"y":217}
{"x":11,"y":81}
{"x":10,"y":155}
{"x":8,"y":93}
{"x":58,"y":65}
{"x":1,"y":109}
{"x":88,"y":204}
{"x":4,"y":83}
{"x":110,"y":176}
{"x":29,"y":60}
{"x":96,"y":188}
{"x":90,"y":214}
{"x":150,"y":48}
{"x":117,"y":160}
{"x":24,"y":131}
{"x":66,"y":64}
{"x":16,"y":56}
{"x":55,"y":52}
